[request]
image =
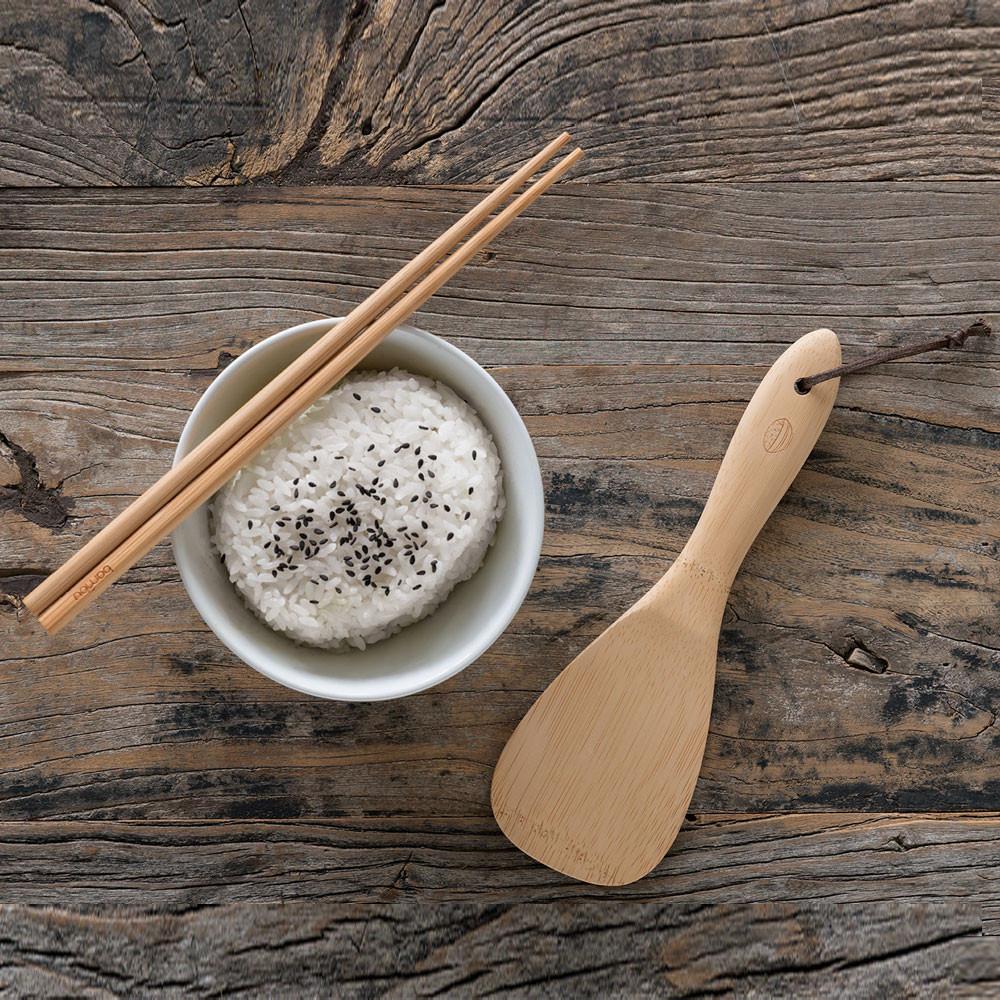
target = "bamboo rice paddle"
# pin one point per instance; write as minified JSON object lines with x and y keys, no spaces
{"x":204,"y":485}
{"x":92,"y":556}
{"x":596,"y":779}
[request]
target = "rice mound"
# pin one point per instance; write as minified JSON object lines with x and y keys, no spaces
{"x":364,"y":513}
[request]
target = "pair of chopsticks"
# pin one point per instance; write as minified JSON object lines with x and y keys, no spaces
{"x":151,"y":517}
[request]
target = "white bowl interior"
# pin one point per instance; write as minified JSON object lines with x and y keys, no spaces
{"x":475,"y":613}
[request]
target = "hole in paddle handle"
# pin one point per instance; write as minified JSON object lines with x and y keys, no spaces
{"x":801,"y":388}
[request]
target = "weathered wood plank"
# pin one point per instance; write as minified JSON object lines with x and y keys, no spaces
{"x":631,"y":359}
{"x":170,"y":867}
{"x":165,"y":93}
{"x":629,"y":273}
{"x":562,"y":949}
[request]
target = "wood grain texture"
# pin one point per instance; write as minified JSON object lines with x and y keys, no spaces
{"x":235,"y":91}
{"x":171,"y":824}
{"x":656,"y":949}
{"x":752,"y":905}
{"x":733,"y":859}
{"x":474,"y":949}
{"x":597,"y":777}
{"x":886,"y":544}
{"x":147,"y":770}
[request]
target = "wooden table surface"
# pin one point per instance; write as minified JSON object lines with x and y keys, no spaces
{"x":182,"y":181}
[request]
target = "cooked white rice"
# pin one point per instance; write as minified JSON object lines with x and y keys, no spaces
{"x":364,"y":513}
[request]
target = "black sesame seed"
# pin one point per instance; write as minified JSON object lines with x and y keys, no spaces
{"x":473,"y":454}
{"x":375,"y":409}
{"x":370,"y":447}
{"x":451,"y":535}
{"x":274,"y":573}
{"x":276,"y":507}
{"x":356,"y":396}
{"x":416,"y":586}
{"x":433,"y":458}
{"x":249,"y":525}
{"x":468,"y":514}
{"x":471,"y":488}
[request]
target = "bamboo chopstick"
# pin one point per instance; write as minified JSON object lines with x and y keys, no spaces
{"x":211,"y":479}
{"x":81,"y":565}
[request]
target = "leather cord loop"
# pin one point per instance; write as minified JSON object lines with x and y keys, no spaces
{"x":949,"y":342}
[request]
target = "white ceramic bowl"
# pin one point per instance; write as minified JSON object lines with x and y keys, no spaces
{"x":475,"y":613}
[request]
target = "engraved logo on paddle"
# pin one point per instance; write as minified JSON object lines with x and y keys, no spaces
{"x":778,"y":435}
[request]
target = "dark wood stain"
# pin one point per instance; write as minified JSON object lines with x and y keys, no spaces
{"x":181,"y":180}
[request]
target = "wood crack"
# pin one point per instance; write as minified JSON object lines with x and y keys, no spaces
{"x":46,"y":506}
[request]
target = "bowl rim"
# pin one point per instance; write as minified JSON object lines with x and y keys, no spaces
{"x":503,"y":611}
